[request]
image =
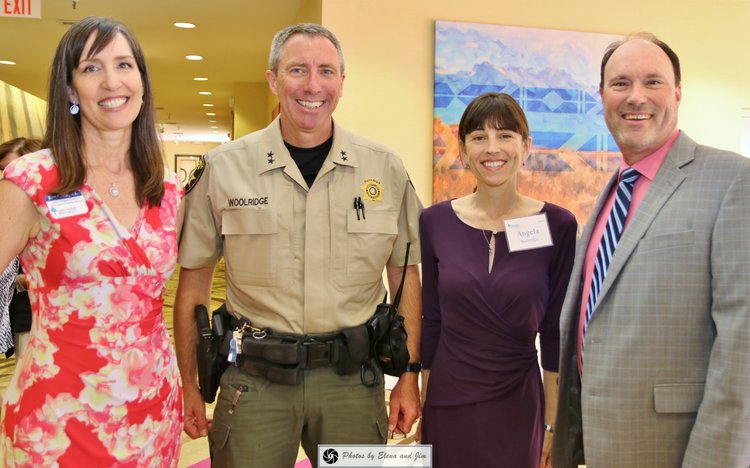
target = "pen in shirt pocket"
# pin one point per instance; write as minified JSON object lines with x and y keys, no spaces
{"x":359,"y":207}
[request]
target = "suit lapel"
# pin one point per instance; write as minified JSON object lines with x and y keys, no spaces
{"x":573,"y":298}
{"x":667,"y":179}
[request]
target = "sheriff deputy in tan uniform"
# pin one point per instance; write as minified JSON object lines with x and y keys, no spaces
{"x":306,"y":215}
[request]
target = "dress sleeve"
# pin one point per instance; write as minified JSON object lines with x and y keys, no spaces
{"x":35,"y":174}
{"x":559,"y":276}
{"x":430,"y":303}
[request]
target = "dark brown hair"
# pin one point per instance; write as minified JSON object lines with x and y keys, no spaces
{"x":499,"y":110}
{"x":646,"y":36}
{"x":64,"y":136}
{"x":20,"y":146}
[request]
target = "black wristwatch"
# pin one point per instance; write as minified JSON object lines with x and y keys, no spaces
{"x":413,"y":367}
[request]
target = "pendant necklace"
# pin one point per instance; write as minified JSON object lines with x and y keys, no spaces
{"x":491,"y":245}
{"x":114,"y":192}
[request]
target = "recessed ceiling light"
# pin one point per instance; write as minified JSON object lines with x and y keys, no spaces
{"x":7,"y":62}
{"x":194,"y":57}
{"x":213,"y":121}
{"x":205,"y":93}
{"x":185,"y":25}
{"x":210,"y":113}
{"x":214,"y":126}
{"x":200,"y":78}
{"x":208,"y":105}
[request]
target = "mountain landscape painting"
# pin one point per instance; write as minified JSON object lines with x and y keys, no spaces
{"x":554,"y":76}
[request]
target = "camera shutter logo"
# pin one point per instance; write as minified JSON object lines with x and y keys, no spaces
{"x":330,"y":456}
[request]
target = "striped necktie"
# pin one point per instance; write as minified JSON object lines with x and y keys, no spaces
{"x":610,"y":239}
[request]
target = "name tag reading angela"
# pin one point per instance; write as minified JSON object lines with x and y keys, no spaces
{"x":65,"y":206}
{"x":531,"y":232}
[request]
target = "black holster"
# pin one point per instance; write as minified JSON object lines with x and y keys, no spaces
{"x":388,"y":333}
{"x":211,"y":362}
{"x":351,"y":349}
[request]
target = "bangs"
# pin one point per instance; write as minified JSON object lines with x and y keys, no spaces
{"x":498,"y":121}
{"x":496,"y":110}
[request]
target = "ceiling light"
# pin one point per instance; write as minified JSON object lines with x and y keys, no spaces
{"x":185,"y":25}
{"x":200,"y":78}
{"x":210,"y":113}
{"x":205,"y":93}
{"x":7,"y":62}
{"x":213,"y":121}
{"x":214,"y":126}
{"x":208,"y":105}
{"x":194,"y":57}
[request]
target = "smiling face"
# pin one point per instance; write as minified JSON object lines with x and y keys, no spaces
{"x":494,"y":155}
{"x":640,"y":98}
{"x":108,"y":87}
{"x":308,"y":83}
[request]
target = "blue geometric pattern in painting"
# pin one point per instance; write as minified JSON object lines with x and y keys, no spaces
{"x":557,"y":110}
{"x":555,"y":100}
{"x":552,"y":74}
{"x":550,"y":139}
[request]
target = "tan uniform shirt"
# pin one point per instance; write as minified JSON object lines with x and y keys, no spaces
{"x":299,"y":260}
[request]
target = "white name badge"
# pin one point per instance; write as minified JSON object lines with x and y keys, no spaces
{"x":531,"y":232}
{"x":65,"y":206}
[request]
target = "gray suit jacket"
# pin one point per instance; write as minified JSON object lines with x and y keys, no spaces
{"x":666,"y":379}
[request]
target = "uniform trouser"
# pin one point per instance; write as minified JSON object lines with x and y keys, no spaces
{"x":269,"y":420}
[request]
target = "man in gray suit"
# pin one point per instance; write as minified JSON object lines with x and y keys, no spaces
{"x":654,"y":368}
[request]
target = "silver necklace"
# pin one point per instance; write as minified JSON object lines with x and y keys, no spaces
{"x":114,"y":192}
{"x":491,"y":245}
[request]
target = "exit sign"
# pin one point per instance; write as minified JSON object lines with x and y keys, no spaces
{"x":21,"y":8}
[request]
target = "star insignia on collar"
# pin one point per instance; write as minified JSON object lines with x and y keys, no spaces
{"x":344,"y":157}
{"x":269,"y":156}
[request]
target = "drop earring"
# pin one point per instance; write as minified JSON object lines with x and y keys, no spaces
{"x":74,"y":109}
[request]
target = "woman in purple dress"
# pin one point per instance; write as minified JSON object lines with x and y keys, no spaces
{"x":495,"y":267}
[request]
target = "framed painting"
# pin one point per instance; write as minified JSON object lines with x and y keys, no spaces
{"x":554,"y":76}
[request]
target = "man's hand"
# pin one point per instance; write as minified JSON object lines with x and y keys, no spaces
{"x":195,"y":423}
{"x":405,"y":406}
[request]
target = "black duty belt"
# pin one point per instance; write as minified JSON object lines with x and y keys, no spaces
{"x":305,"y":352}
{"x":281,"y":358}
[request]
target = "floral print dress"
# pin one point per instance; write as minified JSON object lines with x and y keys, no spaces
{"x":98,"y":383}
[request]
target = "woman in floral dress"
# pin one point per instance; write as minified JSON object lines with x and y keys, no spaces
{"x":95,"y":217}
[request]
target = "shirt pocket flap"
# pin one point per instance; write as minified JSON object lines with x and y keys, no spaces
{"x":374,"y":222}
{"x":238,"y":222}
{"x":678,"y":398}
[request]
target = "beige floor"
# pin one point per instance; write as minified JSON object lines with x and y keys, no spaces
{"x":193,"y":451}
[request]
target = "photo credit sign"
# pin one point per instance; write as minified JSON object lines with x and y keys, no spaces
{"x":391,"y":456}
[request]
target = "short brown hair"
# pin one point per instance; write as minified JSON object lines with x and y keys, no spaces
{"x":646,"y":36}
{"x":497,"y":109}
{"x":308,"y":29}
